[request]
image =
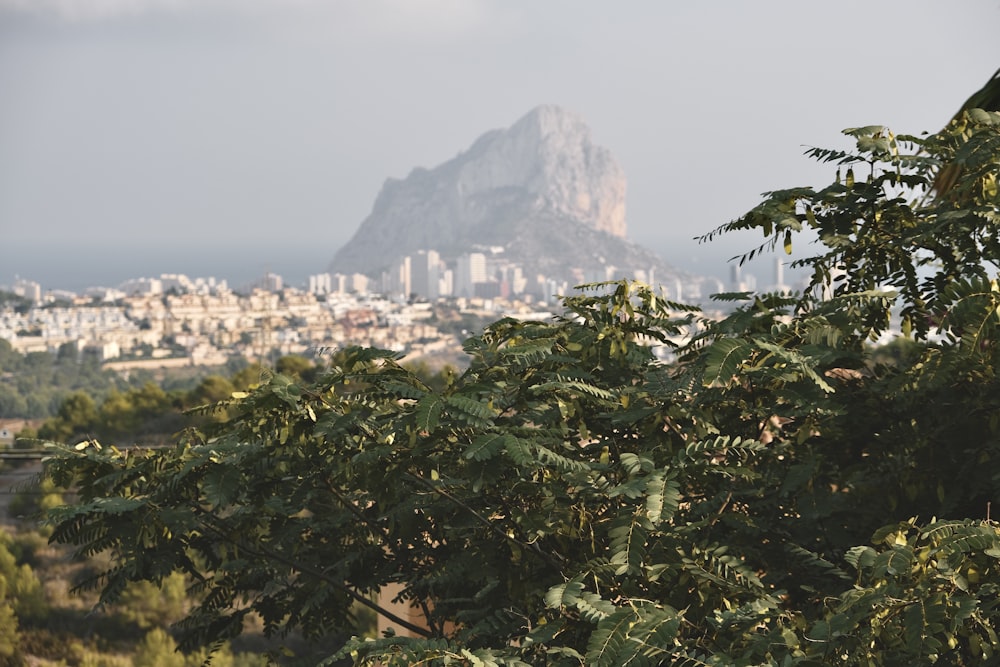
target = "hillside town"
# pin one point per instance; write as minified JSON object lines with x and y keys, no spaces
{"x":423,"y":311}
{"x":174,"y":321}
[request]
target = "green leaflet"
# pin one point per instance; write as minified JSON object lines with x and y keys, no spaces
{"x":116,"y":505}
{"x":222,"y":484}
{"x":724,"y":360}
{"x":471,"y":410}
{"x":564,"y":595}
{"x":799,"y":362}
{"x":559,"y":462}
{"x":428,"y":412}
{"x":573,"y":385}
{"x":486,"y":446}
{"x":628,"y":543}
{"x":663,"y":495}
{"x":521,"y":452}
{"x":607,"y":640}
{"x":641,"y":635}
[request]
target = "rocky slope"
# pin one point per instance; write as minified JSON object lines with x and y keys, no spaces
{"x":541,"y":189}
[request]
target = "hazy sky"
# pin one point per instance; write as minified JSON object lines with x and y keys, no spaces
{"x":141,"y":136}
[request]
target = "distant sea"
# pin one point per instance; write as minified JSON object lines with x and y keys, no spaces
{"x":61,"y":266}
{"x":58,"y":265}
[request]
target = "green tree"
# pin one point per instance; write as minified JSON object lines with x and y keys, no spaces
{"x":77,"y":417}
{"x":145,"y":412}
{"x":212,"y":389}
{"x":9,"y":638}
{"x":117,"y":416}
{"x":10,"y":575}
{"x":775,"y":495}
{"x":435,"y":379}
{"x":297,"y":367}
{"x":20,"y":588}
{"x":37,"y":384}
{"x":158,"y":649}
{"x":35,"y":500}
{"x":150,"y":606}
{"x":249,"y":376}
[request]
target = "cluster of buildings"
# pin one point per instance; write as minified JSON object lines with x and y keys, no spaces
{"x":473,"y":275}
{"x":486,"y":275}
{"x":739,"y":281}
{"x":176,"y":321}
{"x":490,"y":275}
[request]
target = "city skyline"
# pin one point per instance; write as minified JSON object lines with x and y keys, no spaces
{"x":469,"y":275}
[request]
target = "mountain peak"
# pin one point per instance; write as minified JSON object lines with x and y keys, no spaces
{"x":551,"y":118}
{"x":549,"y":153}
{"x":529,"y":186}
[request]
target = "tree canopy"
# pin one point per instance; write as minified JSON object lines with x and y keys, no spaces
{"x":36,"y":384}
{"x":772,"y":491}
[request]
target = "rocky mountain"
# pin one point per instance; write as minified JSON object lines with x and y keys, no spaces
{"x":541,"y":190}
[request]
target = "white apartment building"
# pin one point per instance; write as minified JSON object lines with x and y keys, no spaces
{"x":142,"y":286}
{"x":321,"y":283}
{"x":425,"y":274}
{"x":28,"y":289}
{"x":469,"y":270}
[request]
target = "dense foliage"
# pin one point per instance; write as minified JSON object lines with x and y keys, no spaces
{"x":37,"y":385}
{"x":776,"y":494}
{"x":41,"y":625}
{"x":148,"y":414}
{"x":34,"y":385}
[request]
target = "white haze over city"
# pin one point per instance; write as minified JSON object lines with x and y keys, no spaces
{"x":233,"y":137}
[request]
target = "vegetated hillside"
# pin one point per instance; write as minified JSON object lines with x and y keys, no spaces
{"x":42,"y":622}
{"x":148,"y":415}
{"x":34,"y":385}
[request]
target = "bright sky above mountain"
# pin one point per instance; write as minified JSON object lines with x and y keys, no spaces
{"x":262,"y":130}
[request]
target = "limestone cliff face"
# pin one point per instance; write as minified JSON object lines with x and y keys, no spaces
{"x":549,"y":155}
{"x":542,"y":171}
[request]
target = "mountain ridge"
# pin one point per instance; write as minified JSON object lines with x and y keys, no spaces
{"x":541,"y":189}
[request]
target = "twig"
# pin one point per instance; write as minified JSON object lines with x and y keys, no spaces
{"x":305,"y":569}
{"x":489,"y":524}
{"x":384,"y":534}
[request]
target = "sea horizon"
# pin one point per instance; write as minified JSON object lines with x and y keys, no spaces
{"x":57,"y":266}
{"x":62,"y":266}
